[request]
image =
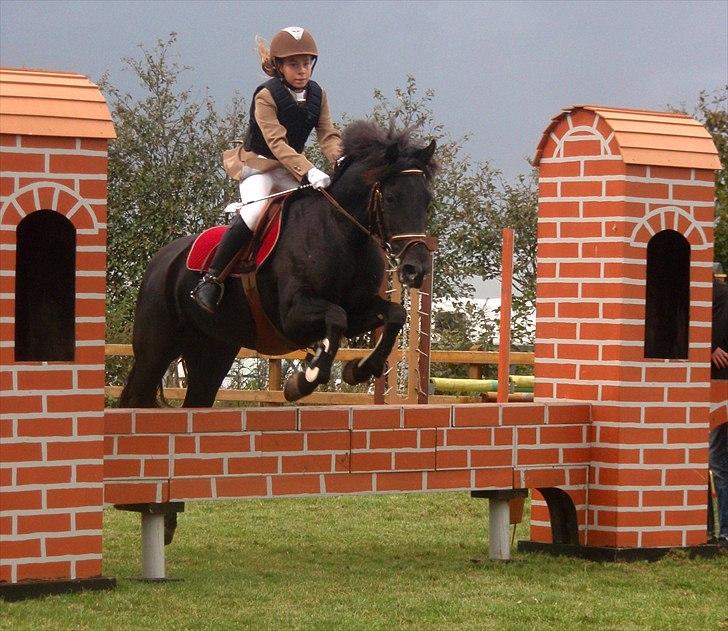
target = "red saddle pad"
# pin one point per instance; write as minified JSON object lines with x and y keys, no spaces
{"x":203,"y":249}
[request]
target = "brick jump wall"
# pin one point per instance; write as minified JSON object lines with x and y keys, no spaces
{"x":597,"y":214}
{"x":167,"y":456}
{"x":52,"y":416}
{"x":637,"y":442}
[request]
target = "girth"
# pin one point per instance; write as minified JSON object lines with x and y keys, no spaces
{"x":268,"y":339}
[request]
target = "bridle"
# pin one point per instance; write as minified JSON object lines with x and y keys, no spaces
{"x":375,"y":215}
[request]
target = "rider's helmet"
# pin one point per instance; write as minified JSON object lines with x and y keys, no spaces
{"x":293,"y":40}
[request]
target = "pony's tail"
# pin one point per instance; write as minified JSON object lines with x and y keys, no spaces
{"x":266,"y":62}
{"x":125,"y":395}
{"x":164,"y":402}
{"x":131,"y":397}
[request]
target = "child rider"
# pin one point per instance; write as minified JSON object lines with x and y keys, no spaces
{"x":284,"y":111}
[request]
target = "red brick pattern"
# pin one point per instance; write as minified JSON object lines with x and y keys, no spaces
{"x":650,"y":417}
{"x":52,"y":416}
{"x":625,"y":436}
{"x":160,"y":456}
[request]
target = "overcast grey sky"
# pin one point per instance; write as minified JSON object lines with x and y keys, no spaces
{"x":500,"y":70}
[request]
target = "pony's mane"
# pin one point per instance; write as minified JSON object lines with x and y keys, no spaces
{"x":367,"y":142}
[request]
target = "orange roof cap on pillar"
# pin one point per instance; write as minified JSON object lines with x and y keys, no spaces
{"x":49,"y":103}
{"x":650,"y":138}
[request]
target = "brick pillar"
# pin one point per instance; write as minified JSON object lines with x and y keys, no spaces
{"x":598,"y":210}
{"x":52,"y":417}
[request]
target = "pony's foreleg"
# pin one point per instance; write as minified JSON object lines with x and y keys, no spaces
{"x":381,"y":312}
{"x":318,"y":371}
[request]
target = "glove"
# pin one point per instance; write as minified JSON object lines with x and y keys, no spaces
{"x":318,"y":179}
{"x":233,"y":209}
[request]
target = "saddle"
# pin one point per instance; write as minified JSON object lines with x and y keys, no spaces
{"x":265,"y":237}
{"x":269,"y":341}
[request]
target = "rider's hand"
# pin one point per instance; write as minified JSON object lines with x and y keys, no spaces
{"x":318,"y":179}
{"x":719,"y":357}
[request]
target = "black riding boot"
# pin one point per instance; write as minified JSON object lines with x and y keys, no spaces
{"x":210,"y":289}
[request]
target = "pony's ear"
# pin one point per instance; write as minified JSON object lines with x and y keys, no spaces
{"x":392,"y":153}
{"x":425,"y":155}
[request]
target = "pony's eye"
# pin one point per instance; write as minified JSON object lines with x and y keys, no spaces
{"x":390,"y":198}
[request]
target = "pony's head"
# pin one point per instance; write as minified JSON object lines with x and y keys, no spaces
{"x":398,"y":171}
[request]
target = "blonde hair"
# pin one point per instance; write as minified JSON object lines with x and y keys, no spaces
{"x":266,"y":62}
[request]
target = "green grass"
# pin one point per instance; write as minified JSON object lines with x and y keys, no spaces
{"x":386,"y":562}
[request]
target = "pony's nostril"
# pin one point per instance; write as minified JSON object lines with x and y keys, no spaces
{"x":410,"y":275}
{"x":409,"y":271}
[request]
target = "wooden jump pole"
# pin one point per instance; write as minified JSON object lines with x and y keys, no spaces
{"x":504,"y":345}
{"x":498,"y":503}
{"x":424,"y":340}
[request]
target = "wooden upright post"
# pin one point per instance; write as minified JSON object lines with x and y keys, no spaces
{"x":504,"y":348}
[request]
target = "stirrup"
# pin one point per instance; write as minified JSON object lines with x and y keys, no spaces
{"x":205,"y":302}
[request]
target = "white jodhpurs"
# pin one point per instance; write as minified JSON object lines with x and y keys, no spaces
{"x":257,"y":185}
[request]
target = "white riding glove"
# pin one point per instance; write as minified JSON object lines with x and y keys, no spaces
{"x":318,"y":179}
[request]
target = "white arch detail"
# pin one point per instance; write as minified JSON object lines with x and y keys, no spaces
{"x":662,"y":213}
{"x":593,"y":134}
{"x":35,"y":188}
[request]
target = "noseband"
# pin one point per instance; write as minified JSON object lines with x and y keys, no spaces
{"x":377,"y":231}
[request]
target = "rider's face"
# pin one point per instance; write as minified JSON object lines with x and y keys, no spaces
{"x":296,"y":70}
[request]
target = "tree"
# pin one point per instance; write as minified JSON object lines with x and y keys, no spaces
{"x":712,"y":111}
{"x":472,"y":203}
{"x":165,"y":174}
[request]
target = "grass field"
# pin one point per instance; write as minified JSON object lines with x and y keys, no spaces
{"x":386,"y":562}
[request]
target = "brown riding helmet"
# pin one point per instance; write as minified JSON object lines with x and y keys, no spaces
{"x":291,"y":41}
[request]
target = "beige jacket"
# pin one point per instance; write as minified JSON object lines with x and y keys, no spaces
{"x":266,"y":115}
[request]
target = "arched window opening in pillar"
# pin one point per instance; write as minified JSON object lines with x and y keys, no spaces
{"x":667,"y":297}
{"x":45,"y":288}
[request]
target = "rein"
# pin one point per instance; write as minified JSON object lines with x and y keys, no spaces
{"x":375,"y":213}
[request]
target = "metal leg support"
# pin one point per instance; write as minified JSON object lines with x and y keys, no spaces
{"x":153,"y":546}
{"x":153,"y":536}
{"x":499,"y":520}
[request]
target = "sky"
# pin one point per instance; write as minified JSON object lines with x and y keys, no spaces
{"x":499,"y":70}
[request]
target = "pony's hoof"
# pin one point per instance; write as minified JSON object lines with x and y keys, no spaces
{"x":352,"y":373}
{"x":297,"y":387}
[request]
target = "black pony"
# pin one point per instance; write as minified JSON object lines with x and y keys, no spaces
{"x":319,"y":284}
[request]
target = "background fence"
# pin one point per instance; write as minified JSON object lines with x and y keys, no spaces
{"x":476,"y":361}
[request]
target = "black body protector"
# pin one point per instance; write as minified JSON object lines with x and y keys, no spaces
{"x":299,"y":120}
